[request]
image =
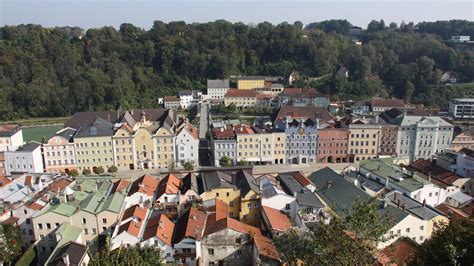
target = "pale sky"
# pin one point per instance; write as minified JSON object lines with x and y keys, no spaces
{"x":142,"y":13}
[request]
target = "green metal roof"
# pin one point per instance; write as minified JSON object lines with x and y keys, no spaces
{"x":113,"y":202}
{"x":68,"y":233}
{"x":389,"y":170}
{"x":340,"y":194}
{"x":64,"y":209}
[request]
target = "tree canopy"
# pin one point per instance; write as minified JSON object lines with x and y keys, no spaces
{"x":47,"y":72}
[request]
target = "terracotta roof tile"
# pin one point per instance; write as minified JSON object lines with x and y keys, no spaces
{"x":243,"y":129}
{"x":169,"y":185}
{"x":137,"y":215}
{"x":190,"y":225}
{"x":240,"y":93}
{"x":226,"y":132}
{"x":387,"y":102}
{"x":4,"y":181}
{"x":308,"y":112}
{"x":60,"y":184}
{"x":146,"y":184}
{"x":28,"y":179}
{"x":161,"y":227}
{"x":266,"y":248}
{"x":277,"y":219}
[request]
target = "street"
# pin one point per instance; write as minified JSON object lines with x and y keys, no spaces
{"x":204,"y":145}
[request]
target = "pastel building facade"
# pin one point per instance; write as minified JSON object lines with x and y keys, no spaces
{"x":11,"y":137}
{"x":59,"y":152}
{"x":26,"y":159}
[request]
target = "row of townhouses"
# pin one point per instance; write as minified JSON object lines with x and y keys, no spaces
{"x":311,"y":135}
{"x":135,"y":139}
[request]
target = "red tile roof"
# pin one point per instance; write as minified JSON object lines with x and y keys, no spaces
{"x":190,"y":225}
{"x":214,"y":225}
{"x":277,"y":219}
{"x":266,"y":248}
{"x":122,"y":185}
{"x":379,"y":102}
{"x":401,"y":252}
{"x":306,"y":112}
{"x":187,"y":126}
{"x":171,"y":99}
{"x":449,"y":210}
{"x":60,"y":184}
{"x":226,"y":132}
{"x":35,"y":206}
{"x":303,"y":180}
{"x":146,"y":184}
{"x":28,"y":179}
{"x":243,"y":129}
{"x":161,"y":227}
{"x":12,"y":220}
{"x":169,"y":185}
{"x":241,"y":94}
{"x":133,"y":226}
{"x":4,"y":181}
{"x":8,"y":128}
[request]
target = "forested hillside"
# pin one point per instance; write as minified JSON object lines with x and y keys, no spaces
{"x":57,"y":71}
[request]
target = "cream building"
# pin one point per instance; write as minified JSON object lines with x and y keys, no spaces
{"x":250,"y":83}
{"x":363,"y":141}
{"x":242,"y":99}
{"x":93,"y":145}
{"x":89,"y":205}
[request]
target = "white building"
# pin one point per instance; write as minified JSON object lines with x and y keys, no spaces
{"x":462,"y":108}
{"x":185,"y":99}
{"x":130,"y":228}
{"x":217,"y":88}
{"x":187,"y":143}
{"x":11,"y":137}
{"x":276,"y":198}
{"x":397,"y":178}
{"x":421,"y":137}
{"x":187,"y":237}
{"x":27,"y":159}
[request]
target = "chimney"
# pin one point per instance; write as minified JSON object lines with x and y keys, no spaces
{"x":222,"y":129}
{"x":328,"y":184}
{"x":398,"y":204}
{"x":424,"y":203}
{"x":65,"y":258}
{"x":295,"y":194}
{"x":260,"y":185}
{"x":403,"y":206}
{"x":386,"y":184}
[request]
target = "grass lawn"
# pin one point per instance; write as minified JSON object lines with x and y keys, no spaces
{"x":38,"y":132}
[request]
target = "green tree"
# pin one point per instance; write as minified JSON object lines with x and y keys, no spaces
{"x":409,"y":90}
{"x":128,"y":256}
{"x":73,"y":172}
{"x":225,"y":161}
{"x":349,"y":239}
{"x":10,"y":243}
{"x":112,"y":169}
{"x":188,"y":166}
{"x":98,"y":170}
{"x":450,"y":244}
{"x":86,"y":171}
{"x":242,"y":163}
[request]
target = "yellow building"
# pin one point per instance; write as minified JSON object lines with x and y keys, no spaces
{"x":124,"y":148}
{"x":165,"y":150}
{"x":242,"y":99}
{"x":93,"y":145}
{"x":250,"y":83}
{"x":363,"y":141}
{"x":238,"y":190}
{"x":278,"y":147}
{"x":248,"y":144}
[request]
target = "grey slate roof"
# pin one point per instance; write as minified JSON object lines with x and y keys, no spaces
{"x":414,"y":207}
{"x":100,"y":127}
{"x":216,"y":179}
{"x":29,"y":147}
{"x":67,"y":133}
{"x":217,"y":83}
{"x":74,"y":250}
{"x":340,"y":194}
{"x":303,"y":196}
{"x":81,"y":118}
{"x":246,"y":182}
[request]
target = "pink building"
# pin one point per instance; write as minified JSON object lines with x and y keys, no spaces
{"x":59,"y":153}
{"x":332,"y":145}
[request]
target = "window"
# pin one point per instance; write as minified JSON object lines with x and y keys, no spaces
{"x":57,"y":225}
{"x":48,"y":226}
{"x":238,"y":240}
{"x":83,"y":220}
{"x":104,"y":220}
{"x":28,"y":221}
{"x":287,"y":206}
{"x":210,"y":251}
{"x":41,"y":237}
{"x":85,"y":231}
{"x":408,"y":230}
{"x":40,"y":226}
{"x":50,"y":237}
{"x":422,"y":227}
{"x":94,"y":231}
